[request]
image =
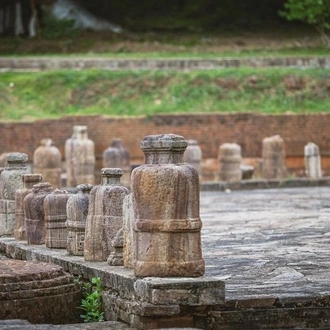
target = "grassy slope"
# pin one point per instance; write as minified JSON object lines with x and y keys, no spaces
{"x":54,"y":94}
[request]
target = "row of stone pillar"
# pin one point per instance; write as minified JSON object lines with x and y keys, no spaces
{"x":153,"y":228}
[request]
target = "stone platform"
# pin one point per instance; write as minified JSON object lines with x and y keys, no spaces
{"x":270,"y":247}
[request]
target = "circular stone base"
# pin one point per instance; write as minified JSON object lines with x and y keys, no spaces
{"x":38,"y":292}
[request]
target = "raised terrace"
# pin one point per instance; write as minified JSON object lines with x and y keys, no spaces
{"x":269,"y":248}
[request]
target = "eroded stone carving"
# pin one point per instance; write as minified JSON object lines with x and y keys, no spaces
{"x":105,"y":215}
{"x":117,"y":156}
{"x":10,"y":182}
{"x":29,"y":180}
{"x":47,"y":161}
{"x":273,"y":158}
{"x":55,"y":219}
{"x":230,"y":162}
{"x":79,"y":157}
{"x":312,"y":161}
{"x":34,"y":213}
{"x":165,"y":201}
{"x":77,"y":211}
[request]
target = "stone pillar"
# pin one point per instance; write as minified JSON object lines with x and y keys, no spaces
{"x":47,"y":161}
{"x":128,"y":233}
{"x":193,"y":155}
{"x":312,"y":161}
{"x":79,"y":157}
{"x":29,"y":180}
{"x":230,"y":162}
{"x":117,"y":156}
{"x":273,"y":158}
{"x":77,"y":210}
{"x":10,"y":181}
{"x":116,"y":255}
{"x":105,"y":215}
{"x":165,"y":201}
{"x":34,"y":213}
{"x":55,"y":219}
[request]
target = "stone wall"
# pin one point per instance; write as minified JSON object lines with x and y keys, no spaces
{"x":210,"y":130}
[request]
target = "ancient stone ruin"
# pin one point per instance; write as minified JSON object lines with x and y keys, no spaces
{"x":273,"y":158}
{"x":79,"y":157}
{"x":117,"y":156}
{"x":230,"y":162}
{"x":165,"y":202}
{"x":77,"y":211}
{"x":29,"y":180}
{"x":47,"y":161}
{"x":312,"y":161}
{"x":105,"y":215}
{"x":193,"y":155}
{"x":35,"y":214}
{"x":10,"y":181}
{"x":55,"y":219}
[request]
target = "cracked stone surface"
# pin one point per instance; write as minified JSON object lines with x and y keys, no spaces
{"x":268,"y":243}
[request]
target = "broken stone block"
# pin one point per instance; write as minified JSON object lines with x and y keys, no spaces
{"x":29,"y":180}
{"x":34,"y":213}
{"x":47,"y":161}
{"x":116,"y":255}
{"x":10,"y":182}
{"x":312,"y":161}
{"x":105,"y":215}
{"x":273,"y":158}
{"x":79,"y":158}
{"x":193,"y":155}
{"x":230,"y":162}
{"x":117,"y":156}
{"x":77,"y":211}
{"x":165,"y":201}
{"x":55,"y":219}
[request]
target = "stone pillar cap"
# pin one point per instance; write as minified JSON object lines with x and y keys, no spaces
{"x":85,"y":187}
{"x":17,"y":157}
{"x":163,"y":142}
{"x":112,"y":172}
{"x":31,"y":177}
{"x":80,"y":128}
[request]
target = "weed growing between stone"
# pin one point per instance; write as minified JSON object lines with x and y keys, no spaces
{"x":91,"y":303}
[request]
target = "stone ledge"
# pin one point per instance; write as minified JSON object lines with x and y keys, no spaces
{"x":141,"y":302}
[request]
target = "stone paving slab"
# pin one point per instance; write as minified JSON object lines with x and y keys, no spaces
{"x":268,"y":244}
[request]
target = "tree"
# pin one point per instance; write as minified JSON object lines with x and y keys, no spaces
{"x":313,"y":12}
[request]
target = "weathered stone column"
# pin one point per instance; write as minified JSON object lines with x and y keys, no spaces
{"x":47,"y":161}
{"x":166,"y":221}
{"x":117,"y":156}
{"x":34,"y":213}
{"x":230,"y":159}
{"x":10,"y":181}
{"x":273,"y":158}
{"x":312,"y":161}
{"x":105,"y":215}
{"x":79,"y":157}
{"x":128,"y":233}
{"x":193,"y":155}
{"x":77,"y":211}
{"x":29,"y":180}
{"x":55,"y":219}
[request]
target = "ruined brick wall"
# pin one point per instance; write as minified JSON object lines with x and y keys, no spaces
{"x":210,"y":130}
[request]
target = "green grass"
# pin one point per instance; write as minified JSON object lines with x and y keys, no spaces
{"x":35,"y":95}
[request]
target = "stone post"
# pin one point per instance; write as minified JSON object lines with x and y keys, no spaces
{"x":105,"y":215}
{"x":166,"y":221}
{"x":128,"y":233}
{"x":117,"y":156}
{"x":79,"y":157}
{"x":34,"y":213}
{"x":116,"y":255}
{"x":230,"y":162}
{"x":193,"y":155}
{"x":77,"y":211}
{"x":29,"y":180}
{"x":273,"y":158}
{"x":55,"y":219}
{"x":312,"y":161}
{"x":10,"y":182}
{"x":47,"y":161}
